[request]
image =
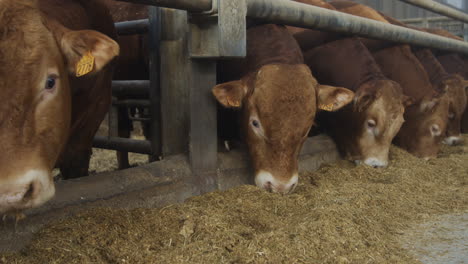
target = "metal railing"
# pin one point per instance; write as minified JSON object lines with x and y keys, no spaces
{"x":439,"y":9}
{"x":129,"y":93}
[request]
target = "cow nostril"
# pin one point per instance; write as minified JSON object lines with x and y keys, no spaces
{"x":268,"y":186}
{"x":29,"y":193}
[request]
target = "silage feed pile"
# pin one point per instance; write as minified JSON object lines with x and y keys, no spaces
{"x":338,"y":214}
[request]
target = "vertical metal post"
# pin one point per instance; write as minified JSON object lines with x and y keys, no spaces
{"x":203,"y":126}
{"x":154,"y":32}
{"x":219,"y":33}
{"x":175,"y":114}
{"x":190,"y":47}
{"x":113,"y":121}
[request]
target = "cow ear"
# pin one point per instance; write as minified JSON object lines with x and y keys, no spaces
{"x":331,"y":98}
{"x":407,"y":101}
{"x":230,"y":94}
{"x":465,"y":84}
{"x":362,"y":100}
{"x":87,"y":51}
{"x":428,"y":104}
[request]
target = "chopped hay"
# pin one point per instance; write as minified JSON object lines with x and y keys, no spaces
{"x":338,"y":214}
{"x":104,"y":160}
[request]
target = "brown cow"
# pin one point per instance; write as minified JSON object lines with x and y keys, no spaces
{"x":365,"y":130}
{"x":455,"y":86}
{"x":454,"y":63}
{"x":441,"y":80}
{"x":278,"y":97}
{"x":46,"y":111}
{"x":426,"y":121}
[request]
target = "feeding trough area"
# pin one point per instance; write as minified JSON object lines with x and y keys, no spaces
{"x":223,"y":172}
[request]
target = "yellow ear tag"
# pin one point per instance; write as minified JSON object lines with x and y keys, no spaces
{"x":85,"y":65}
{"x":328,"y":107}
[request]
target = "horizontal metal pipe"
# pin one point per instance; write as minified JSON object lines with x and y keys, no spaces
{"x":132,"y":103}
{"x":123,"y":144}
{"x":141,"y":119}
{"x":131,"y":87}
{"x":429,"y":19}
{"x":132,"y":27}
{"x":307,"y":16}
{"x":439,"y":9}
{"x":189,"y":5}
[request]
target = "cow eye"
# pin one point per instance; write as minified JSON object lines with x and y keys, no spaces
{"x":50,"y":82}
{"x":255,"y":123}
{"x":371,"y":123}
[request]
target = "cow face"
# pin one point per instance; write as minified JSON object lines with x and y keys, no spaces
{"x":455,"y":88}
{"x":425,"y":126}
{"x":37,"y":56}
{"x":380,"y":106}
{"x":279,"y":103}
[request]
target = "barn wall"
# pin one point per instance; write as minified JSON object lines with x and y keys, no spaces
{"x":402,"y":11}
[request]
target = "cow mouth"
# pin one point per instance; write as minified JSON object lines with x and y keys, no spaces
{"x":452,"y":141}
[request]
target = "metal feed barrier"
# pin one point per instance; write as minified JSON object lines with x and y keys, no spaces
{"x":187,"y":37}
{"x":129,"y":89}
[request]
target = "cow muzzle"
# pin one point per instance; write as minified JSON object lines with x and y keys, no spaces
{"x":452,"y":140}
{"x":32,"y":189}
{"x":376,"y":163}
{"x":265,"y":180}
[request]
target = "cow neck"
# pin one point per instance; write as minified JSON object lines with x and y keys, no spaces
{"x":453,"y":64}
{"x":270,"y":44}
{"x":434,"y":69}
{"x":400,"y":65}
{"x":345,"y":62}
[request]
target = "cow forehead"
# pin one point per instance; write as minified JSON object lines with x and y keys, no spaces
{"x":281,"y":89}
{"x":23,"y":37}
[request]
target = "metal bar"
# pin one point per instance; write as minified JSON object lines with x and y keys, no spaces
{"x":174,"y":59}
{"x":154,"y":36}
{"x":132,"y":103}
{"x":123,"y":144}
{"x":133,"y":87}
{"x":189,"y":5}
{"x":141,"y":119}
{"x":439,"y":9}
{"x":132,"y":27}
{"x":302,"y":15}
{"x":430,"y":19}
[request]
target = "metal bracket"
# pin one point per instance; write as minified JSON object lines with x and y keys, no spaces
{"x":220,"y":32}
{"x":212,"y":12}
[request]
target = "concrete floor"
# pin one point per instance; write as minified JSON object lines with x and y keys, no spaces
{"x":438,"y":240}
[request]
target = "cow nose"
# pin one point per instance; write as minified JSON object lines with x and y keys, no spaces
{"x":28,"y":190}
{"x":265,"y":180}
{"x":376,"y":163}
{"x":452,"y":140}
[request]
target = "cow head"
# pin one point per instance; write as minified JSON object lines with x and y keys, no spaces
{"x":379,"y":106}
{"x":425,"y":126}
{"x":456,"y":88}
{"x":279,"y":103}
{"x":37,"y":56}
